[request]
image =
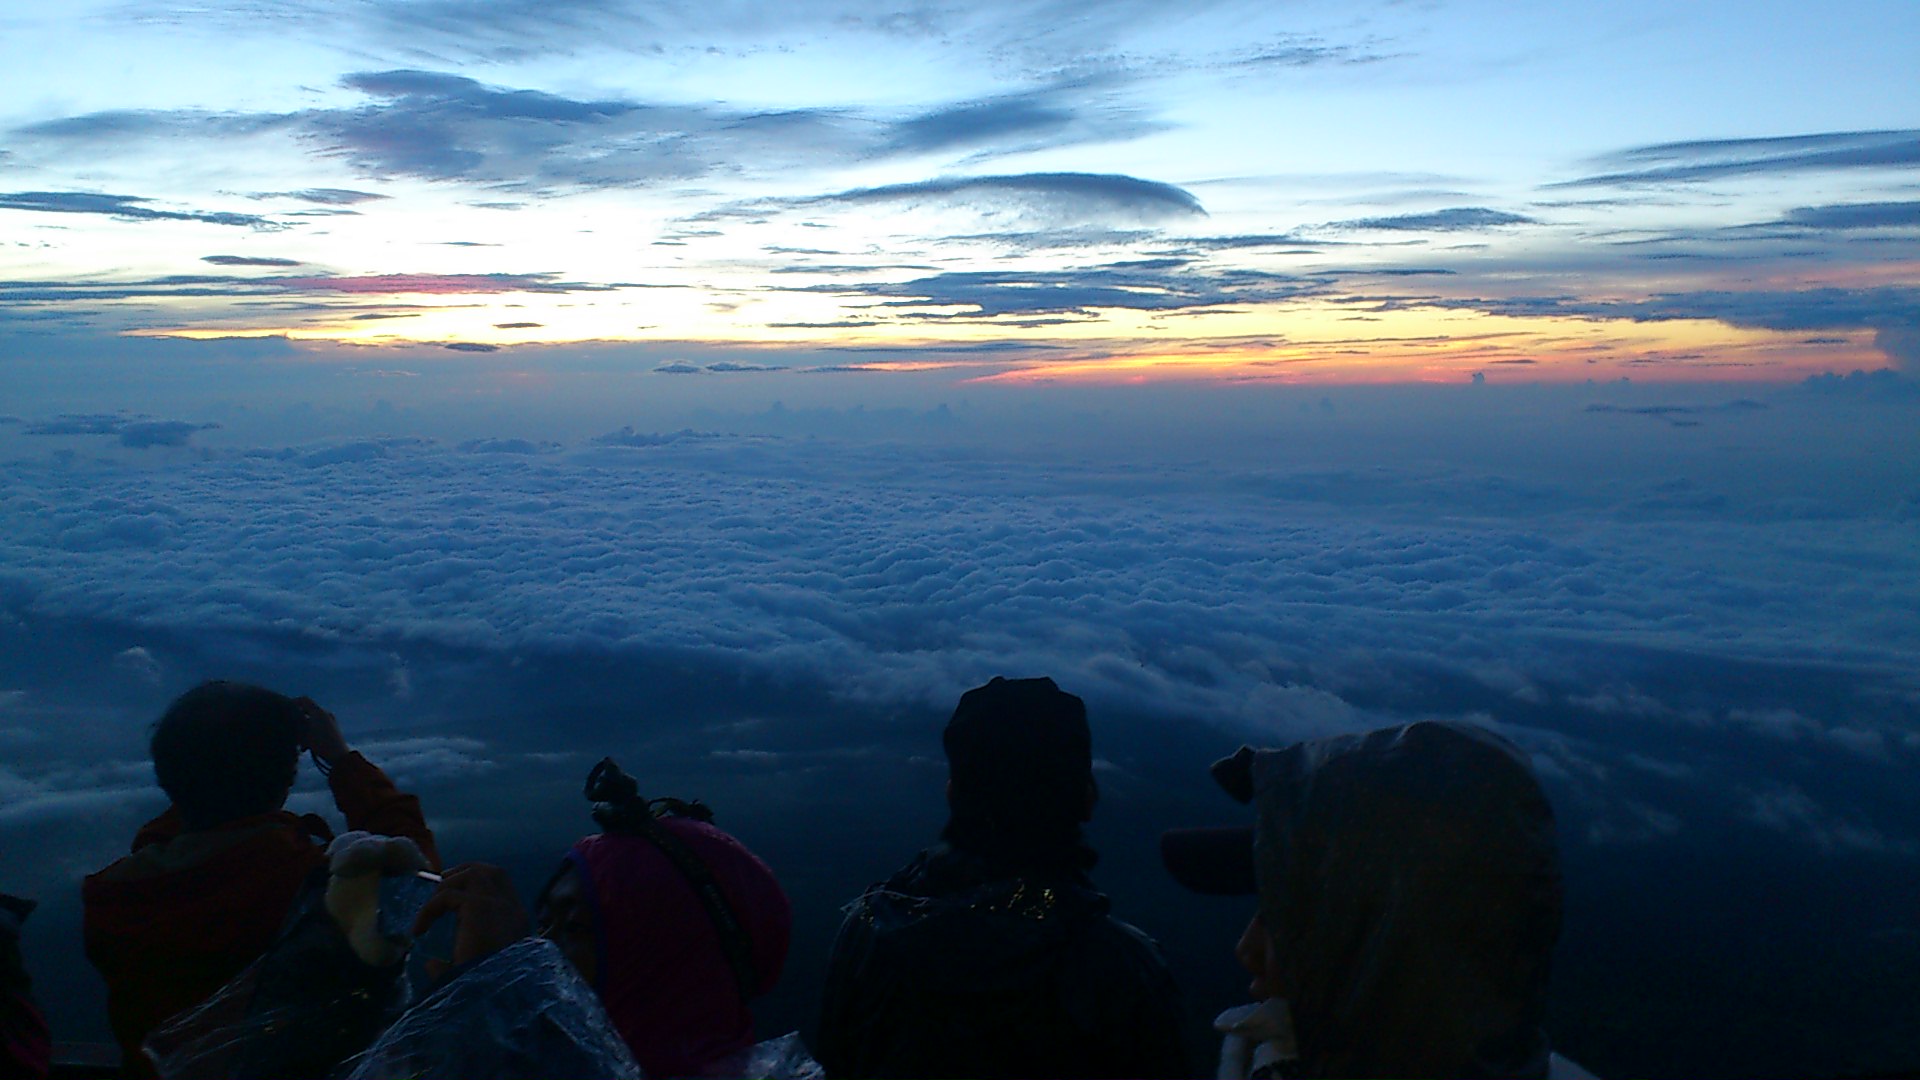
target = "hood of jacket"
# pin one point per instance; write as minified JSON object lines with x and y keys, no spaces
{"x":1410,"y":880}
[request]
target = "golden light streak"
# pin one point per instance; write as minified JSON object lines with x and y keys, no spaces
{"x":1439,"y":347}
{"x":1315,"y":340}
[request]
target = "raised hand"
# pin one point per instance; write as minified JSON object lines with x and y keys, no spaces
{"x":321,"y":732}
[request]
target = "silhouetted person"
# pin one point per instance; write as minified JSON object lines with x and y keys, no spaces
{"x":673,"y":922}
{"x":1409,"y":899}
{"x":210,"y":881}
{"x":24,"y":1045}
{"x":991,"y":954}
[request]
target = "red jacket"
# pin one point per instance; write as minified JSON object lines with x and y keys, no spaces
{"x":186,"y":912}
{"x":24,"y":1049}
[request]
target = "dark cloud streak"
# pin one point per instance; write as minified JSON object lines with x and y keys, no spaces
{"x":1850,"y":216}
{"x":1715,"y":159}
{"x":1047,"y":117}
{"x":1060,"y":199}
{"x":1761,"y":309}
{"x":444,"y":127}
{"x":136,"y":431}
{"x":210,"y":285}
{"x":1891,"y":311}
{"x":124,"y":207}
{"x":1454,"y":219}
{"x":1140,"y":285}
{"x":323,"y":196}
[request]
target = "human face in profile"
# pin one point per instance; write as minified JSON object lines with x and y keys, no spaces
{"x":1255,"y":952}
{"x":564,"y":917}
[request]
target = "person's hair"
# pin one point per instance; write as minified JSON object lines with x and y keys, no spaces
{"x":227,"y":750}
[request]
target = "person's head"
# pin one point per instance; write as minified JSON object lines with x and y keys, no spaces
{"x":227,"y":750}
{"x":1408,"y":892}
{"x":1020,"y":772}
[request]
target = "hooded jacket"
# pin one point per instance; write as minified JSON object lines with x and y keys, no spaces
{"x":961,"y":966}
{"x":187,"y":911}
{"x":1410,"y":880}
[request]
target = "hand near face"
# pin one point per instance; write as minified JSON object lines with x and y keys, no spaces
{"x":321,"y":732}
{"x":482,"y":899}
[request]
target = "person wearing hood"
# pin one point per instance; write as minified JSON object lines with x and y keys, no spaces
{"x":991,"y":954}
{"x":1409,"y":898}
{"x":210,"y":881}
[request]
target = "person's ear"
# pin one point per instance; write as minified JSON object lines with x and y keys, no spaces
{"x":949,"y":794}
{"x":1093,"y":800}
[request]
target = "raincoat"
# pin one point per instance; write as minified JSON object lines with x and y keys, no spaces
{"x":24,"y":1046}
{"x":521,"y":1012}
{"x":1410,"y":880}
{"x":957,"y":966}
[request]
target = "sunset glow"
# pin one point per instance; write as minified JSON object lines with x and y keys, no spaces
{"x":1218,"y":193}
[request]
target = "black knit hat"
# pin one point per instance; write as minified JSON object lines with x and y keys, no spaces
{"x":1020,"y":742}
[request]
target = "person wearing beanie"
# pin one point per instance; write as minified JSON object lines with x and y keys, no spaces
{"x":991,"y":954}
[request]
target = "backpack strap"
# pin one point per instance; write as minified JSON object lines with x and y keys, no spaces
{"x":735,"y":942}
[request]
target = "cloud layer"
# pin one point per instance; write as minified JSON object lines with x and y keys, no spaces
{"x":127,"y":207}
{"x":1716,"y":159}
{"x":813,"y":559}
{"x":438,"y":126}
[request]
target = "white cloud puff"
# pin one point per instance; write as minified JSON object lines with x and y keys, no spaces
{"x":69,"y":790}
{"x":1790,"y":810}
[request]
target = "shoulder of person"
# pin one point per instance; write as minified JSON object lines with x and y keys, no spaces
{"x":243,"y":842}
{"x":1122,"y":951}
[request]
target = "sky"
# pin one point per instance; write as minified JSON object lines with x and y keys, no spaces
{"x":1295,"y":192}
{"x":728,"y":387}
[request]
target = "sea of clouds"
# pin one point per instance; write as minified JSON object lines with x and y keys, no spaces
{"x":1236,"y":582}
{"x":910,"y":569}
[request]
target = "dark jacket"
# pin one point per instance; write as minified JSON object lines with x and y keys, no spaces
{"x":23,"y":1031}
{"x":186,"y":912}
{"x":957,"y":966}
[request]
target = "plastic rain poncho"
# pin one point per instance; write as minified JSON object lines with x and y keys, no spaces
{"x":313,"y":999}
{"x":521,"y":1012}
